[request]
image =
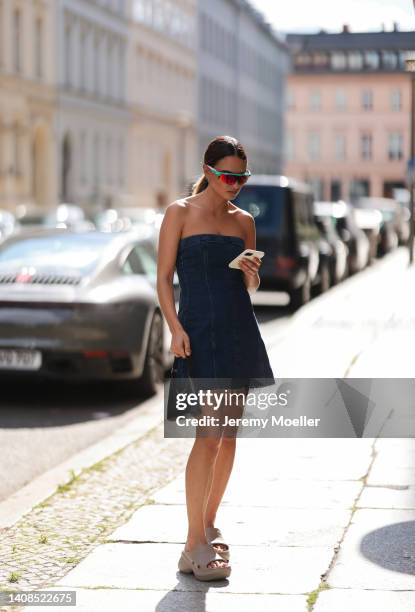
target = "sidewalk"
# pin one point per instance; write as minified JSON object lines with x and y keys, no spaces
{"x":284,"y":528}
{"x":313,"y":524}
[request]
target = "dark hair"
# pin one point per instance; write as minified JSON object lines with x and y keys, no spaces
{"x":219,"y":147}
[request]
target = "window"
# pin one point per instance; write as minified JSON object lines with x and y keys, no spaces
{"x":158,"y":15}
{"x":315,"y":100}
{"x":82,"y":67}
{"x":320,"y":60}
{"x":17,"y":37}
{"x":68,"y":55}
{"x":313,"y":146}
{"x":389,"y":60}
{"x":96,"y":70}
{"x":121,"y":161}
{"x":340,"y":146}
{"x":367,"y":99}
{"x":267,"y":204}
{"x":303,"y":59}
{"x":69,"y":252}
{"x":340,"y":99}
{"x":338,"y":61}
{"x":395,"y":146}
{"x":358,"y":188}
{"x":39,"y":48}
{"x":142,"y":259}
{"x":371,"y":60}
{"x":317,"y":185}
{"x":83,"y":158}
{"x":396,"y":100}
{"x":335,"y":190}
{"x":109,"y":159}
{"x":148,"y":258}
{"x":16,"y":149}
{"x":96,"y":160}
{"x":355,"y":60}
{"x":366,"y":146}
{"x":110,"y":52}
{"x":132,"y":264}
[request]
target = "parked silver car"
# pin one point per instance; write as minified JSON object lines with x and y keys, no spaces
{"x":81,"y":305}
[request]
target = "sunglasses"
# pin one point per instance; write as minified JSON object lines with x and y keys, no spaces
{"x":230,"y":178}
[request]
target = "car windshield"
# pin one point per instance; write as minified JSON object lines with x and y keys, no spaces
{"x":266,"y":205}
{"x":67,"y":253}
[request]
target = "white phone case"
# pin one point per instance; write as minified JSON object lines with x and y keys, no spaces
{"x":235,"y":262}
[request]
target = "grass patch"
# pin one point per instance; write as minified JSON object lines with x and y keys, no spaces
{"x":312,"y":597}
{"x":14,"y":576}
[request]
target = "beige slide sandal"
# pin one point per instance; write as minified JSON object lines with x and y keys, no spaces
{"x":196,"y":561}
{"x":214,"y":536}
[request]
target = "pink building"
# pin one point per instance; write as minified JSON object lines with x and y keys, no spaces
{"x":348,"y":112}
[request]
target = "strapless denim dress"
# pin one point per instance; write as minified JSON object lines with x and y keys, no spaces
{"x":216,"y":311}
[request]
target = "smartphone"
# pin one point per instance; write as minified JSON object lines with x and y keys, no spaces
{"x":250,"y":253}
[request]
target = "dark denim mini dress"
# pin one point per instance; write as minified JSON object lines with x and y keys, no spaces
{"x":216,"y":311}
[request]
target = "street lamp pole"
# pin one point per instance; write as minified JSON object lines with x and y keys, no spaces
{"x":410,"y":67}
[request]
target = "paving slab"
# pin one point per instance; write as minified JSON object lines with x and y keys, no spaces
{"x":345,"y":600}
{"x":383,"y":474}
{"x":277,"y":493}
{"x":247,"y":526}
{"x":207,"y":599}
{"x":393,"y":496}
{"x":378,"y":551}
{"x":255,"y":569}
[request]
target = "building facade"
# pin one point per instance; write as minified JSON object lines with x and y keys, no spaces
{"x":163,"y":100}
{"x":242,"y":66}
{"x":112,"y":102}
{"x":28,"y":168}
{"x":348,"y":112}
{"x":93,"y":118}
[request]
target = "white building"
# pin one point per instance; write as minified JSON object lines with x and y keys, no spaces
{"x":242,"y":66}
{"x":108,"y":102}
{"x":93,"y":115}
{"x":27,"y":103}
{"x":163,"y":157}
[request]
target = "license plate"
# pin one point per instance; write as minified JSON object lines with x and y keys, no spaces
{"x":13,"y":359}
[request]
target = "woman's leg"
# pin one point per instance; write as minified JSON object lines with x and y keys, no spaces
{"x":221,"y":472}
{"x":198,"y":473}
{"x":219,"y":479}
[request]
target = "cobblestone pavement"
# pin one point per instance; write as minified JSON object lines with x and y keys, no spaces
{"x":46,"y":543}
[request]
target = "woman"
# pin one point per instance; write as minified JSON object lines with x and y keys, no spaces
{"x":215,"y":331}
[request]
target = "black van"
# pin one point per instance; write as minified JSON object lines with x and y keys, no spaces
{"x":286,"y":230}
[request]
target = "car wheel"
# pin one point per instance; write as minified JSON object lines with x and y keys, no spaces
{"x":334,"y":276}
{"x":153,"y":372}
{"x":301,"y":295}
{"x":346,"y":270}
{"x":324,"y":282}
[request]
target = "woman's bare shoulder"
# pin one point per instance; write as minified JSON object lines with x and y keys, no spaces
{"x":180,"y":205}
{"x":239,"y":212}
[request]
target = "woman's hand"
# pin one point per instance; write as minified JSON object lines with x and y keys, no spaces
{"x":250,"y":269}
{"x":250,"y":266}
{"x":180,"y":343}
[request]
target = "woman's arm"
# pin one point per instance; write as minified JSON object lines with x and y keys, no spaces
{"x":168,"y":242}
{"x":248,"y":266}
